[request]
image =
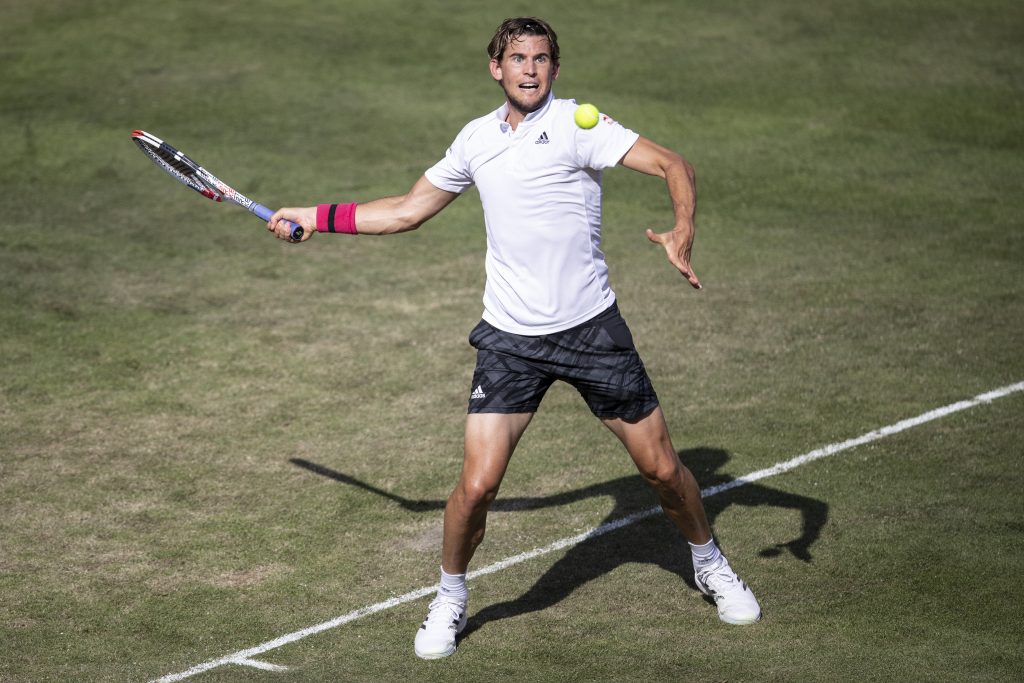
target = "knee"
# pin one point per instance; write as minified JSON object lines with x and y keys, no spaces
{"x":664,"y":474}
{"x":474,"y":494}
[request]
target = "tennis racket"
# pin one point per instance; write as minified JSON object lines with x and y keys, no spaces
{"x":191,"y":174}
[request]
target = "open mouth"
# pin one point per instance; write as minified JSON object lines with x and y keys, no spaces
{"x":529,"y":86}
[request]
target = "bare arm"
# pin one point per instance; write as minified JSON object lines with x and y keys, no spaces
{"x":651,"y":158}
{"x":378,"y":217}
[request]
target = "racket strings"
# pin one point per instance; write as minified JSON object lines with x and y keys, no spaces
{"x":176,"y":161}
{"x":180,"y":167}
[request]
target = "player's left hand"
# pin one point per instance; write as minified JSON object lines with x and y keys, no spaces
{"x":678,"y":244}
{"x":800,"y":550}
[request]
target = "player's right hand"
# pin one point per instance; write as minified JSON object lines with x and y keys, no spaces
{"x":279,"y":223}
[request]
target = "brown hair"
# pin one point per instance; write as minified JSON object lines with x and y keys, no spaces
{"x":513,"y":29}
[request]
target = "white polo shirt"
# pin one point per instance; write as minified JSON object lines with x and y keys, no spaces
{"x":540,"y":187}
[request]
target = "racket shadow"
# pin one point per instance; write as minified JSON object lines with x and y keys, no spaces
{"x":652,"y":541}
{"x":508,"y":504}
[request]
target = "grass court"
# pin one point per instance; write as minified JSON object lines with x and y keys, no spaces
{"x":210,"y":439}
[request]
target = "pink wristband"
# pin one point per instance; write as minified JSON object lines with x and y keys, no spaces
{"x":336,"y":218}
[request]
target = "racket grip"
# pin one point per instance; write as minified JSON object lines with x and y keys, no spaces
{"x":263,"y":212}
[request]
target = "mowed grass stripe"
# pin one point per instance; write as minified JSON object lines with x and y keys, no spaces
{"x":244,"y":657}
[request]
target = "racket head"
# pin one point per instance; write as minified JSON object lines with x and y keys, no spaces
{"x":176,"y":164}
{"x":190,"y":174}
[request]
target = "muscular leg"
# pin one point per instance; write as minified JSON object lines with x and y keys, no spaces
{"x":490,"y":440}
{"x":648,"y":443}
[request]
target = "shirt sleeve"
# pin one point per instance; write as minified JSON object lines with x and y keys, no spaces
{"x":451,"y":173}
{"x":605,"y":144}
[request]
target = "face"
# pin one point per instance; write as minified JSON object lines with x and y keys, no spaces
{"x":526,"y":73}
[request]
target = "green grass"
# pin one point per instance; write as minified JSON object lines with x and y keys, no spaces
{"x":859,"y":235}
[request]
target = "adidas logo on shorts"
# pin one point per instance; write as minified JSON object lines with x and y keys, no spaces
{"x":477,"y":393}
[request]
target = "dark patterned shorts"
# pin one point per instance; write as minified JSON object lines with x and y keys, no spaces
{"x":598,"y":357}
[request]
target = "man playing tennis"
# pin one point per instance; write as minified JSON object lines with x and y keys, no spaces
{"x":549,"y":312}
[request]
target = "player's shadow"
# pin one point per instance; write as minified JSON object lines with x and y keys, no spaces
{"x":653,"y":540}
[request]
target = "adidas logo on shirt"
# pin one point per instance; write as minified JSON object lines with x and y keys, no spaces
{"x":543,"y":139}
{"x":478,"y":393}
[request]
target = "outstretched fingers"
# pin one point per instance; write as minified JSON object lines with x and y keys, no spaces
{"x":678,"y":252}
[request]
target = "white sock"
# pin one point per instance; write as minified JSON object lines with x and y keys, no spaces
{"x":453,"y":586}
{"x":703,"y":555}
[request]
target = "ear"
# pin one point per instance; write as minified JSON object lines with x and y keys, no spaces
{"x":554,"y":74}
{"x":495,"y":68}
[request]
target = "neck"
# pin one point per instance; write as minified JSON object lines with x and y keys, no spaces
{"x":515,"y":116}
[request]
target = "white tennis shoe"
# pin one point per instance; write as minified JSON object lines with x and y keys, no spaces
{"x":736,"y":602}
{"x":445,"y":619}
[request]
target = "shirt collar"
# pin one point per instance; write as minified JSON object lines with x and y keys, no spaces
{"x":502,"y":112}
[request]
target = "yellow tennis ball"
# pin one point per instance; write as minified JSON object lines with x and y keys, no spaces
{"x":586,"y":116}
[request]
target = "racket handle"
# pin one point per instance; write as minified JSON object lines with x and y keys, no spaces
{"x":263,"y":212}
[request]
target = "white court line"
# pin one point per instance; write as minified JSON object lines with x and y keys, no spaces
{"x":244,"y":657}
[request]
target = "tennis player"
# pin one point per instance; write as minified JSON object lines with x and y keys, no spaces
{"x":549,"y":312}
